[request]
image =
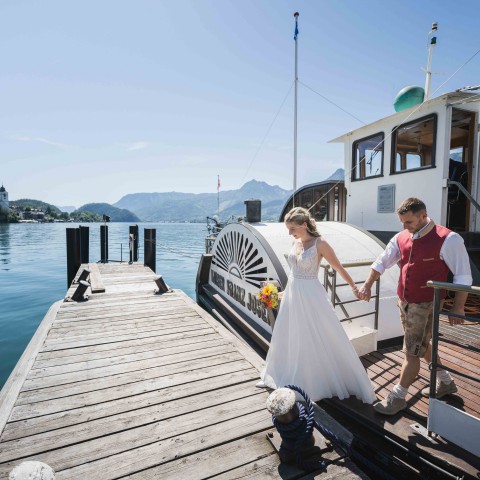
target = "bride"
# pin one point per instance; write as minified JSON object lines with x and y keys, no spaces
{"x":309,"y":347}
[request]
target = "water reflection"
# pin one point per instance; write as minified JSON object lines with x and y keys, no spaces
{"x":4,"y":243}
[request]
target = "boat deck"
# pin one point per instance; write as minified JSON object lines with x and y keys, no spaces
{"x":130,"y":384}
{"x":408,"y":427}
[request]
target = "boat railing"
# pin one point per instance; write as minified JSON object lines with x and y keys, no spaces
{"x":443,"y":419}
{"x":465,"y":192}
{"x":331,"y":284}
{"x":214,"y":227}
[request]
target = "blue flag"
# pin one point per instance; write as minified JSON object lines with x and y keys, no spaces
{"x":296,"y":31}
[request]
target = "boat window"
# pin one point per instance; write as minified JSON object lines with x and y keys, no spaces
{"x":368,"y":157}
{"x":413,"y":160}
{"x":413,"y":145}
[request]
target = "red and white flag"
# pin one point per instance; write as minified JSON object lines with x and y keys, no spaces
{"x":218,"y":184}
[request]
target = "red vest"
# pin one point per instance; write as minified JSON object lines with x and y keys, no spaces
{"x":420,"y":261}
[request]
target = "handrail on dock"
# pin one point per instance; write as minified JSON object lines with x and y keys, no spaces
{"x":434,"y":426}
{"x":438,"y":286}
{"x":330,"y":283}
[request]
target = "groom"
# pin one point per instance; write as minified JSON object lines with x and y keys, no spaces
{"x":424,"y":251}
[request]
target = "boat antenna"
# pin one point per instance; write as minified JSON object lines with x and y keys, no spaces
{"x":295,"y":37}
{"x":432,"y":41}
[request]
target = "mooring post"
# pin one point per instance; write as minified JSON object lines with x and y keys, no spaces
{"x":133,"y":243}
{"x":84,"y":244}
{"x":73,"y":254}
{"x":32,"y":471}
{"x":150,"y":244}
{"x":104,"y":243}
{"x":281,"y":403}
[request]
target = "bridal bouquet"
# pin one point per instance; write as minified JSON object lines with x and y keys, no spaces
{"x":268,"y":295}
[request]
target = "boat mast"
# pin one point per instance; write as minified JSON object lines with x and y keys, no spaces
{"x":432,"y":43}
{"x":218,"y":196}
{"x":296,"y":14}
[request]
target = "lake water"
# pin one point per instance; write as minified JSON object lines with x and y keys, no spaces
{"x":33,"y":271}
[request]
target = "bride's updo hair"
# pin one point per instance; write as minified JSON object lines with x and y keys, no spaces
{"x":299,"y":215}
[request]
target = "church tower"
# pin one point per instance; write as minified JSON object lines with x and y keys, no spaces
{"x":4,"y":205}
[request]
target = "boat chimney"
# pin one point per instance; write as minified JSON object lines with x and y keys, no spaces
{"x":254,"y":211}
{"x":431,"y":43}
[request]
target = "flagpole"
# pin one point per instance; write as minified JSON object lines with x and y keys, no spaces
{"x":218,"y":196}
{"x":296,"y":14}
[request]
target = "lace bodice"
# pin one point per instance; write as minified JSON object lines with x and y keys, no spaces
{"x":304,"y":263}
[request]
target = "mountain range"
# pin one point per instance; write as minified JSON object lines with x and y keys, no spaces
{"x":175,"y":206}
{"x":187,"y":207}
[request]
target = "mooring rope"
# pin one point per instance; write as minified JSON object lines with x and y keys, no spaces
{"x":300,"y":430}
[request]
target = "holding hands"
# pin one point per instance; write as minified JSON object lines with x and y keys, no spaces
{"x":356,"y":292}
{"x":365,"y":293}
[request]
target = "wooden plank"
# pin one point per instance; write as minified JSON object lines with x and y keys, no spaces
{"x":115,"y":424}
{"x":154,"y":351}
{"x":153,"y":325}
{"x":174,"y":447}
{"x":269,"y":467}
{"x":75,"y":355}
{"x":124,"y":369}
{"x":118,"y":318}
{"x":175,"y":380}
{"x":96,"y":283}
{"x":105,"y":363}
{"x":247,"y":352}
{"x":119,"y":338}
{"x":143,"y":445}
{"x":120,"y":385}
{"x":214,"y":461}
{"x":32,"y":423}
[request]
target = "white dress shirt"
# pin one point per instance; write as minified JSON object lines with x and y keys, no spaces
{"x":453,"y":253}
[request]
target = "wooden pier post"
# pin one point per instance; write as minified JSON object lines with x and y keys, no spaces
{"x":281,"y":403}
{"x":133,"y":243}
{"x":150,"y":247}
{"x":73,"y":253}
{"x":84,"y":244}
{"x":104,"y":243}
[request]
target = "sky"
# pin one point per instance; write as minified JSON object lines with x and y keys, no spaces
{"x":99,"y":99}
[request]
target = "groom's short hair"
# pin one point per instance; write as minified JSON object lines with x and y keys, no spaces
{"x":411,"y":204}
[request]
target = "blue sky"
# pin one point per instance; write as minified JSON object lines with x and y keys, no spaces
{"x":99,"y":99}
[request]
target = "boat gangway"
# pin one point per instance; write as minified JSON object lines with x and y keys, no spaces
{"x":130,"y":383}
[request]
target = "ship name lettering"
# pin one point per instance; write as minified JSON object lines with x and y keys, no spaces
{"x":236,"y":292}
{"x":218,"y":280}
{"x":257,"y":307}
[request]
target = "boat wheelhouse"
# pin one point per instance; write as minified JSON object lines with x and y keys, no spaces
{"x":428,"y":151}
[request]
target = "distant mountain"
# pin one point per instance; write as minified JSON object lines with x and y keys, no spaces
{"x":175,"y":206}
{"x":339,"y":174}
{"x":115,"y":214}
{"x":68,"y":209}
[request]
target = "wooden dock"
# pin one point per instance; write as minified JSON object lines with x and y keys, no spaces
{"x":408,"y":427}
{"x":132,"y":384}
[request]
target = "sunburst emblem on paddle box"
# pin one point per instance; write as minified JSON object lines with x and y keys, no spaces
{"x":242,"y":260}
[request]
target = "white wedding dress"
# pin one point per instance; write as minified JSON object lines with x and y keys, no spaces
{"x":309,"y":347}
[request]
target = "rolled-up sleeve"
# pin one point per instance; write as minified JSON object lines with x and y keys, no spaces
{"x":389,"y":257}
{"x":454,"y":254}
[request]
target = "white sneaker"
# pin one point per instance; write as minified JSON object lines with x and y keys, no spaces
{"x":261,"y":384}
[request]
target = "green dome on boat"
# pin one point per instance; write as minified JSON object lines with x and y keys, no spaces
{"x":408,"y":97}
